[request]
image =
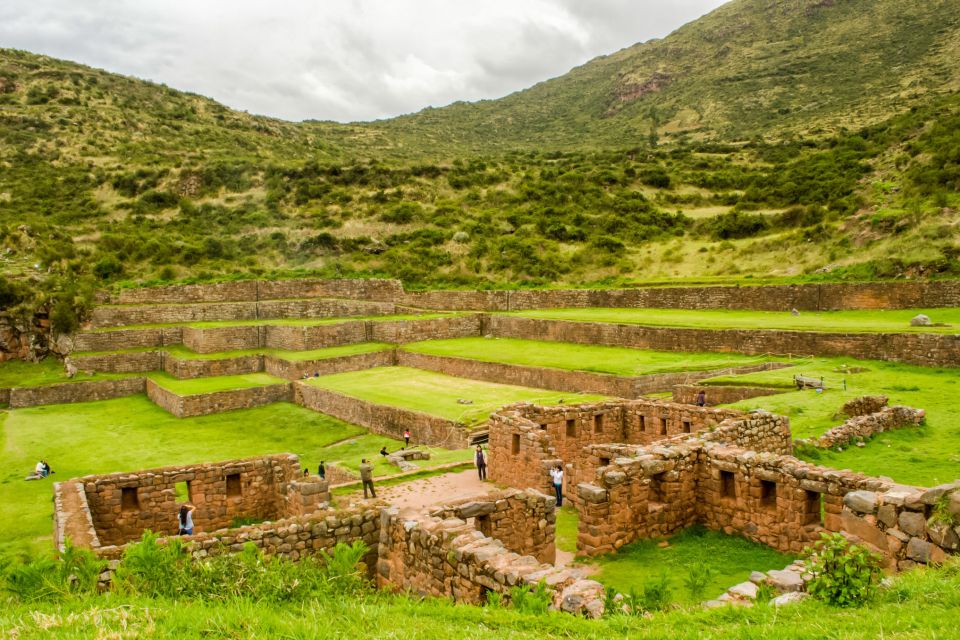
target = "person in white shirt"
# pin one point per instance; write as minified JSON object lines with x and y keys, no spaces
{"x":557,"y":474}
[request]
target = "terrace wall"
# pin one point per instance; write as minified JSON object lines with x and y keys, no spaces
{"x":255,"y":290}
{"x":116,"y":316}
{"x":121,"y":362}
{"x":69,"y":392}
{"x":322,"y":308}
{"x":186,"y":406}
{"x":720,"y":394}
{"x":914,"y":348}
{"x":307,"y":338}
{"x":864,"y":427}
{"x":403,"y":331}
{"x":125,"y":339}
{"x":124,"y":505}
{"x":298,"y":369}
{"x":383,"y":419}
{"x":217,"y":339}
{"x":188,"y":368}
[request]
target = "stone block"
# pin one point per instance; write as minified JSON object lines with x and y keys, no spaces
{"x":861,"y":501}
{"x":912,"y":523}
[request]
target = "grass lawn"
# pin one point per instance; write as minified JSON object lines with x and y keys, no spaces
{"x":843,"y":321}
{"x":437,"y":394}
{"x":17,"y":373}
{"x":278,"y":322}
{"x":620,"y":361}
{"x":197,"y":386}
{"x":731,"y":559}
{"x":566,"y":529}
{"x":182,"y":353}
{"x":927,"y":456}
{"x":132,"y":433}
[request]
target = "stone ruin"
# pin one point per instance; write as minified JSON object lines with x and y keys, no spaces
{"x":463,"y":550}
{"x":645,"y":469}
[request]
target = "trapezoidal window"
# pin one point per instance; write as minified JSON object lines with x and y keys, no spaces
{"x":768,"y":494}
{"x":643,"y":423}
{"x":598,"y":423}
{"x":813,"y":508}
{"x":686,"y":426}
{"x":515,"y":444}
{"x":663,"y":425}
{"x":604,"y":462}
{"x":181,"y":491}
{"x":128,"y":499}
{"x":543,"y":426}
{"x":571,"y":428}
{"x":728,"y":485}
{"x":656,"y":491}
{"x":233,"y":485}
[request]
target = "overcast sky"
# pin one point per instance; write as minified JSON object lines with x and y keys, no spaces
{"x":339,"y":60}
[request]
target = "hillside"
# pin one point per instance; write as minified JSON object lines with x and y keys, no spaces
{"x":789,"y":145}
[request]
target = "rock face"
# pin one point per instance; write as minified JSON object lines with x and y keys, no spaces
{"x":920,"y":320}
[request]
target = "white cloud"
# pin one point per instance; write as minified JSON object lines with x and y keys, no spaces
{"x":339,"y":60}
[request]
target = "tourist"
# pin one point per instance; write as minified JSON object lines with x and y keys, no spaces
{"x":46,"y":468}
{"x":383,"y":451}
{"x":322,"y":471}
{"x":557,"y":474}
{"x":366,"y":477}
{"x":481,"y":461}
{"x":702,"y":398}
{"x":37,"y":473}
{"x":406,"y":438}
{"x":306,"y":472}
{"x":185,"y":519}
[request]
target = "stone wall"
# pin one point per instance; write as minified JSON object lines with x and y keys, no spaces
{"x":255,"y":290}
{"x":120,"y":362}
{"x":121,"y":315}
{"x":186,"y":368}
{"x":187,"y":406}
{"x":125,"y":339}
{"x":864,"y":427}
{"x":524,"y":521}
{"x":403,"y":331}
{"x":124,"y":505}
{"x":217,"y":292}
{"x":924,"y":349}
{"x":383,"y":419}
{"x":452,"y":558}
{"x":69,"y":392}
{"x":720,"y":394}
{"x":864,"y":405}
{"x":323,"y":308}
{"x":298,"y":369}
{"x":217,"y":339}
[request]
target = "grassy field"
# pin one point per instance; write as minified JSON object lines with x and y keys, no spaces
{"x":181,"y":352}
{"x":730,"y":558}
{"x":437,"y":394}
{"x":17,"y":373}
{"x":840,"y":321}
{"x":620,"y":361}
{"x":133,"y":433}
{"x":276,"y":322}
{"x":197,"y":386}
{"x":926,"y":456}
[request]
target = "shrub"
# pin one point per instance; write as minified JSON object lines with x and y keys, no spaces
{"x":656,"y":594}
{"x":697,"y":579}
{"x":527,"y":599}
{"x":74,"y":573}
{"x":843,"y":574}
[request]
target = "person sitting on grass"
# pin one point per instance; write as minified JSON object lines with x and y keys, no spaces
{"x":383,"y":451}
{"x":185,"y":519}
{"x":37,"y":473}
{"x":46,"y":468}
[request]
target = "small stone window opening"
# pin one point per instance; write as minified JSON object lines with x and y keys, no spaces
{"x":656,"y":491}
{"x":128,"y":499}
{"x":484,"y":525}
{"x":663,"y":425}
{"x":515,"y":445}
{"x":571,"y":428}
{"x":182,"y":491}
{"x":686,"y":426}
{"x":813,"y":508}
{"x":604,"y":462}
{"x":543,"y":426}
{"x":728,"y":485}
{"x":233,"y":485}
{"x":598,"y":423}
{"x":643,"y":423}
{"x":768,"y":493}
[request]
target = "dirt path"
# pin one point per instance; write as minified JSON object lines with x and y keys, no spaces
{"x":448,"y":487}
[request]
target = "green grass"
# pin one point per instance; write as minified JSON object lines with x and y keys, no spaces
{"x":566,"y":529}
{"x":197,"y":386}
{"x":437,"y":394}
{"x":730,"y":557}
{"x":926,"y":456}
{"x":277,"y":322}
{"x":839,"y":321}
{"x":392,"y":482}
{"x":919,"y":605}
{"x":620,"y":361}
{"x":183,"y":353}
{"x":17,"y":373}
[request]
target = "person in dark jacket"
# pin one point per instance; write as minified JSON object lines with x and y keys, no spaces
{"x":480,"y":459}
{"x":322,"y":471}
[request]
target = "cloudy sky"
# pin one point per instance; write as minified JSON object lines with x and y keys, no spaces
{"x":339,"y":59}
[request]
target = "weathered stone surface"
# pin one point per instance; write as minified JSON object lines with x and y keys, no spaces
{"x":746,"y":590}
{"x":861,"y":501}
{"x":792,"y":597}
{"x":919,"y":550}
{"x":912,"y":523}
{"x":785,"y":581}
{"x":920,"y":320}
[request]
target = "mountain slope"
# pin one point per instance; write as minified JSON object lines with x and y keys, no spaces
{"x":752,"y":67}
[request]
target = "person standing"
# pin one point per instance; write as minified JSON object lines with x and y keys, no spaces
{"x":702,"y":398}
{"x":366,"y":477}
{"x":481,"y":461}
{"x":185,"y":519}
{"x":322,"y":471}
{"x":406,"y":438}
{"x":557,"y":474}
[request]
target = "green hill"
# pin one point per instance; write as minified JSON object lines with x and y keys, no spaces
{"x":792,"y":140}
